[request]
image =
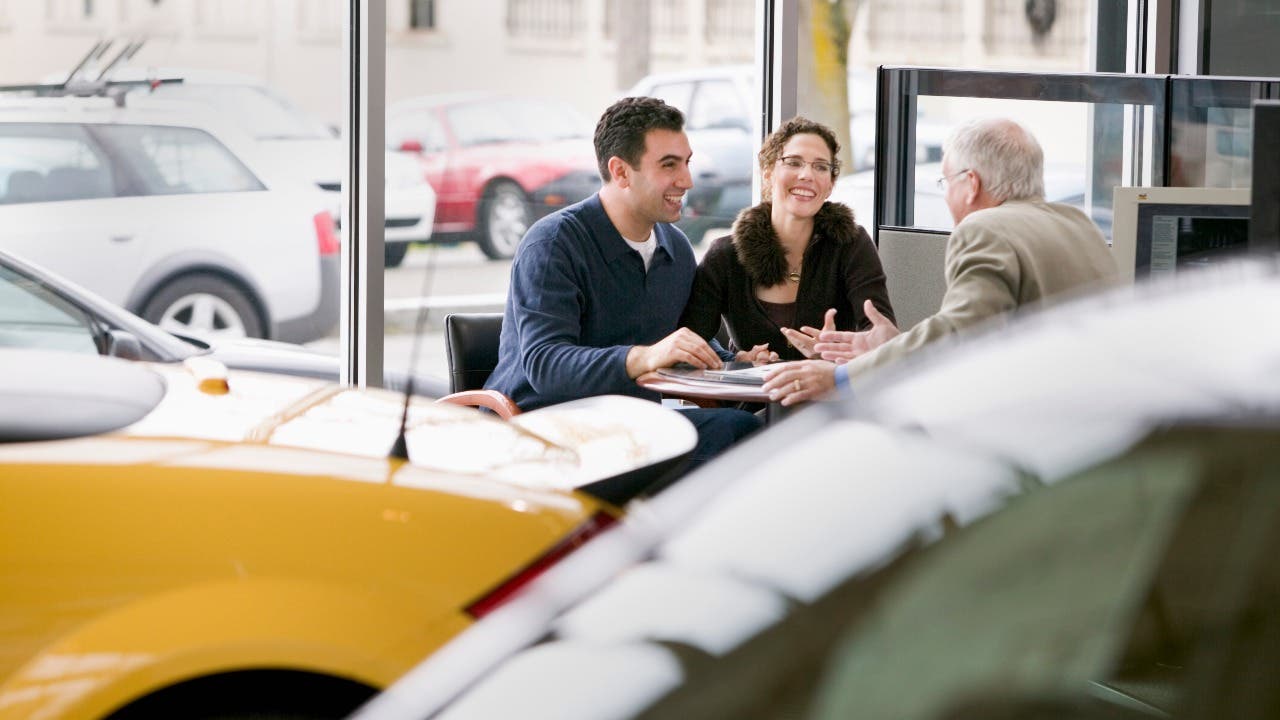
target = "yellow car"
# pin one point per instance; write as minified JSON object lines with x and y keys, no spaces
{"x":177,"y":542}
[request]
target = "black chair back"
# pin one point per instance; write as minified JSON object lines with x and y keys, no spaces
{"x":471,"y":341}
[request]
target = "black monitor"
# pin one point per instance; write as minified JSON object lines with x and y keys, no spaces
{"x":1159,"y":231}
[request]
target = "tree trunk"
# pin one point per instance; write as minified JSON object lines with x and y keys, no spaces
{"x":823,"y":93}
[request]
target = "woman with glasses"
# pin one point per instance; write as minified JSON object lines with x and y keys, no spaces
{"x":795,"y":264}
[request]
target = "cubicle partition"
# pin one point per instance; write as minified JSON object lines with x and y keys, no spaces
{"x":1099,"y":131}
{"x":1264,"y":216}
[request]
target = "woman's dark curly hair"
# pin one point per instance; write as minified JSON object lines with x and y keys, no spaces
{"x":771,"y":148}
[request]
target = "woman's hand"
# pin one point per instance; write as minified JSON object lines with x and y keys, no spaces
{"x":759,"y":354}
{"x":806,"y":337}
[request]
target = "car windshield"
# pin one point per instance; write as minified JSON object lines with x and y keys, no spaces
{"x":34,"y":313}
{"x":515,"y":120}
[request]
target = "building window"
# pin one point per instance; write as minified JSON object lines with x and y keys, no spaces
{"x":1018,"y":27}
{"x":70,"y":13}
{"x":934,"y":26}
{"x":668,"y":19}
{"x":320,"y":19}
{"x":730,"y":22}
{"x":228,"y":18}
{"x":422,"y":14}
{"x":545,"y":19}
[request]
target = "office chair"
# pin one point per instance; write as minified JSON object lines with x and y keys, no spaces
{"x":471,"y":343}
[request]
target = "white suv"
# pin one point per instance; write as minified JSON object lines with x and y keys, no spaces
{"x":155,"y":209}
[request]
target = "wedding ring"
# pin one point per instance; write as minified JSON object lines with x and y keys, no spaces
{"x":799,"y":387}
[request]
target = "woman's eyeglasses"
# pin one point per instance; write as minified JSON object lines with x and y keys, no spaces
{"x":797,"y":163}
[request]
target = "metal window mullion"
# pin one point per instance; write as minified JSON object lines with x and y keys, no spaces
{"x":777,"y":71}
{"x":360,"y":330}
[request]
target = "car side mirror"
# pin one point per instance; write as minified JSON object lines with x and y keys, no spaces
{"x":124,"y":345}
{"x":412,"y":146}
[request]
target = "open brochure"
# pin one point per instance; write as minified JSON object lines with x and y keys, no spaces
{"x":742,"y":373}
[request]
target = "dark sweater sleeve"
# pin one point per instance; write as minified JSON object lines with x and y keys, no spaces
{"x":865,"y":280}
{"x":546,"y":300}
{"x":707,"y":299}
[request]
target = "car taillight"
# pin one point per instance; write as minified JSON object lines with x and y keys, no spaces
{"x":507,"y":589}
{"x":326,"y":237}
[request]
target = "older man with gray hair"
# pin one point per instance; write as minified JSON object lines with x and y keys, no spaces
{"x":1009,"y":248}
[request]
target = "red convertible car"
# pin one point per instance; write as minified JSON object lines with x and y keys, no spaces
{"x":497,"y":162}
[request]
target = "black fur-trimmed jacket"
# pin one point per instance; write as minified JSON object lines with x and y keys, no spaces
{"x":841,"y":269}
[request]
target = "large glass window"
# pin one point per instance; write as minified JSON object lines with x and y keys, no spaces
{"x":510,"y":139}
{"x":222,"y":97}
{"x":849,"y":40}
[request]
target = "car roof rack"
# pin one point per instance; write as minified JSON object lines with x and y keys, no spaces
{"x":79,"y":83}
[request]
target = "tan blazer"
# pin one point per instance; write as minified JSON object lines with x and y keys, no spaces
{"x":1001,"y":258}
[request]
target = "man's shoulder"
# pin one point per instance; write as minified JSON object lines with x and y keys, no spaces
{"x":1000,"y":216}
{"x":566,"y":225}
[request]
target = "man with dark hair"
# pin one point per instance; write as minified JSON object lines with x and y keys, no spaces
{"x":597,"y":288}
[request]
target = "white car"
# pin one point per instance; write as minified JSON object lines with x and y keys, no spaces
{"x":156,"y":209}
{"x":293,"y":141}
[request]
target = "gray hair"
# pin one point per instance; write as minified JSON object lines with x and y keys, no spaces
{"x":1003,"y":153}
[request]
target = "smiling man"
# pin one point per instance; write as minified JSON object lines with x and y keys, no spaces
{"x":597,"y":288}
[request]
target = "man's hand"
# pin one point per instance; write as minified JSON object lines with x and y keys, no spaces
{"x":683,"y":345}
{"x":796,"y":382}
{"x":757,"y":354}
{"x":841,"y":346}
{"x":806,"y":337}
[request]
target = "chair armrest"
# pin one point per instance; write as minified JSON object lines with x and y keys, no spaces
{"x":491,"y":399}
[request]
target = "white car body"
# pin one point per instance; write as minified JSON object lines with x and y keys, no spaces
{"x":262,"y":239}
{"x":293,"y":141}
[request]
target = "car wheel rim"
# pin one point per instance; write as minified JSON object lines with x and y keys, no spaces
{"x":507,"y":222}
{"x":203,"y":314}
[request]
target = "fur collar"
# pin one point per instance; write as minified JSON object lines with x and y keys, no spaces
{"x":760,"y":252}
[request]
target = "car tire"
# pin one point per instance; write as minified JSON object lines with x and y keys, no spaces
{"x":394,"y":253}
{"x":504,"y":218}
{"x":204,"y":305}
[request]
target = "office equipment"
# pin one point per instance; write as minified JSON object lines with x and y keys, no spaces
{"x":1264,"y":218}
{"x":1158,"y":231}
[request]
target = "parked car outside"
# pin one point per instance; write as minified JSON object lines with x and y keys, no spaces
{"x":1077,"y":509}
{"x":183,"y":541}
{"x":293,"y":141}
{"x":40,"y":310}
{"x":159,"y":210}
{"x":717,"y":110}
{"x":497,"y":162}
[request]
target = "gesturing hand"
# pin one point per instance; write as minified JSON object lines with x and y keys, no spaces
{"x":806,"y":337}
{"x":757,"y":354}
{"x":841,"y":346}
{"x":683,"y":345}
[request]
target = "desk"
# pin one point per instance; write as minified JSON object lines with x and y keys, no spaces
{"x":690,"y":387}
